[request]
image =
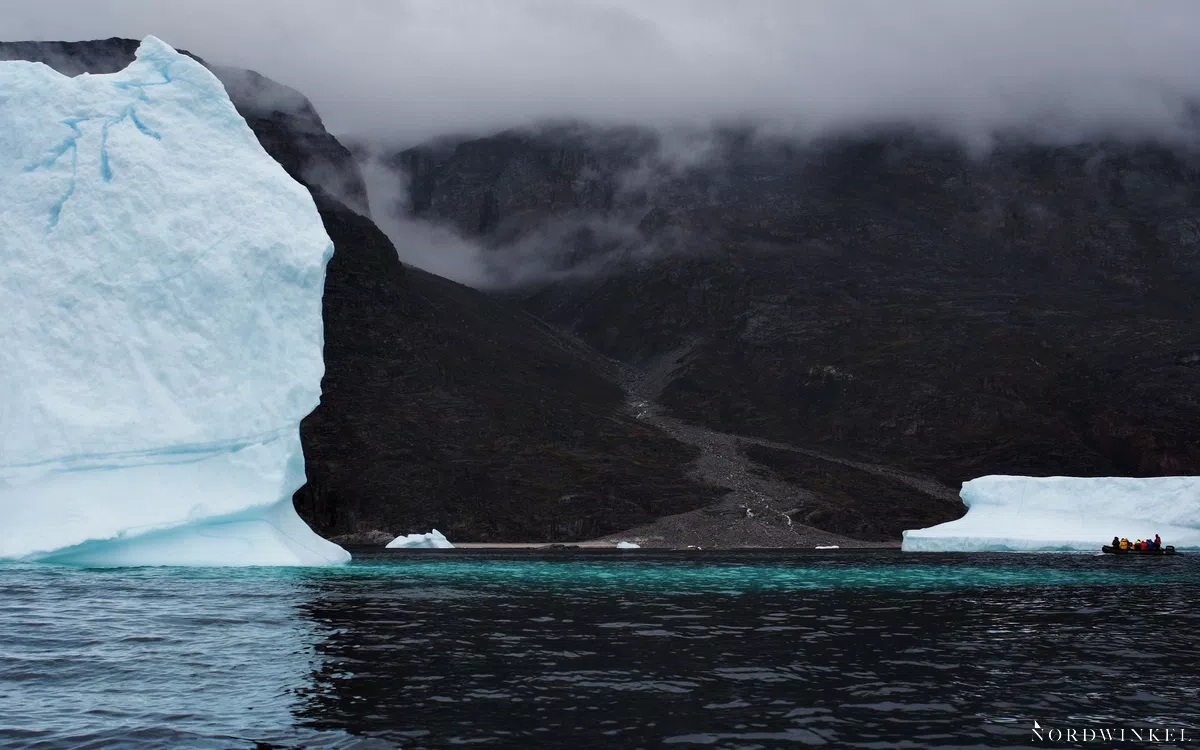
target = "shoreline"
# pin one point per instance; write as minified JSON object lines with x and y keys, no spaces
{"x":591,"y":546}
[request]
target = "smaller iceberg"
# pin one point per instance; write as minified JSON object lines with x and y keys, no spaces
{"x":1062,"y":514}
{"x":432,"y":540}
{"x":628,"y":545}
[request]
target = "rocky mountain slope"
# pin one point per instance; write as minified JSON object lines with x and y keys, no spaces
{"x":881,"y":297}
{"x":443,"y":408}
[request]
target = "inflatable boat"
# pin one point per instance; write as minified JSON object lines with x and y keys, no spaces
{"x":1167,"y":550}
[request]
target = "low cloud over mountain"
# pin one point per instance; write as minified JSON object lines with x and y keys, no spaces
{"x":403,"y":71}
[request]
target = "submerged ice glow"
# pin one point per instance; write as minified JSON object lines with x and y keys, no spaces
{"x":1035,"y":514}
{"x":162,"y":280}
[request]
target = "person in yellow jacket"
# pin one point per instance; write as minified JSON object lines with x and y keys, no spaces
{"x":1124,"y":543}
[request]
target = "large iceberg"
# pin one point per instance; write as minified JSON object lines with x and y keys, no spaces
{"x":161,"y":279}
{"x":1046,"y":514}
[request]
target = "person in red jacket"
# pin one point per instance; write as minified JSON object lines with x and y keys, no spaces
{"x":1157,"y":542}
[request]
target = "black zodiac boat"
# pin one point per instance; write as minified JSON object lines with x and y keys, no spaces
{"x":1168,"y":550}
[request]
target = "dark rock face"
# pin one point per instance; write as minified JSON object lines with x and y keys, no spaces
{"x":74,"y":58}
{"x":445,"y":409}
{"x":885,"y":296}
{"x":518,"y":179}
{"x":851,"y":502}
{"x":374,"y":538}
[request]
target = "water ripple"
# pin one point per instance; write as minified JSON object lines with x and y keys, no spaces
{"x":512,"y":650}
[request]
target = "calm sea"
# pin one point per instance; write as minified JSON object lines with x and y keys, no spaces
{"x":601,"y":649}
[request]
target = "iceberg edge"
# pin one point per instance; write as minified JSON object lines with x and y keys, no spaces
{"x":1065,"y":514}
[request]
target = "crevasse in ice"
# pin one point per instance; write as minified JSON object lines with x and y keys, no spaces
{"x":160,"y":323}
{"x":1031,"y":514}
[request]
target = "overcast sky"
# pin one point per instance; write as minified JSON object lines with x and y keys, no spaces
{"x":402,"y":70}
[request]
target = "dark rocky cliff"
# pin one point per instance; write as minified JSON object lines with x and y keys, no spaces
{"x":882,"y":296}
{"x":444,"y":408}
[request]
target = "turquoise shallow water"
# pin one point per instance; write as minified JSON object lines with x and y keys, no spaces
{"x":679,"y":574}
{"x":598,"y":649}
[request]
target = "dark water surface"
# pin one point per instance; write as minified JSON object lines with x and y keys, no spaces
{"x":600,"y":649}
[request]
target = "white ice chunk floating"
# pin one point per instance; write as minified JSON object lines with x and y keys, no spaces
{"x":161,"y":334}
{"x":1047,"y":514}
{"x":432,"y":540}
{"x":628,"y":545}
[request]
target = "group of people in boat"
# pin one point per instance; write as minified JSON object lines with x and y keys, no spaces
{"x":1141,"y":544}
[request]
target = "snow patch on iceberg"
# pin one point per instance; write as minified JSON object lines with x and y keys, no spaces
{"x":432,"y":540}
{"x":1048,"y":514}
{"x":162,"y":280}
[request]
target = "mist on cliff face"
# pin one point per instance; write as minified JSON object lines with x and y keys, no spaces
{"x":428,"y":246}
{"x":610,"y":223}
{"x":555,"y":249}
